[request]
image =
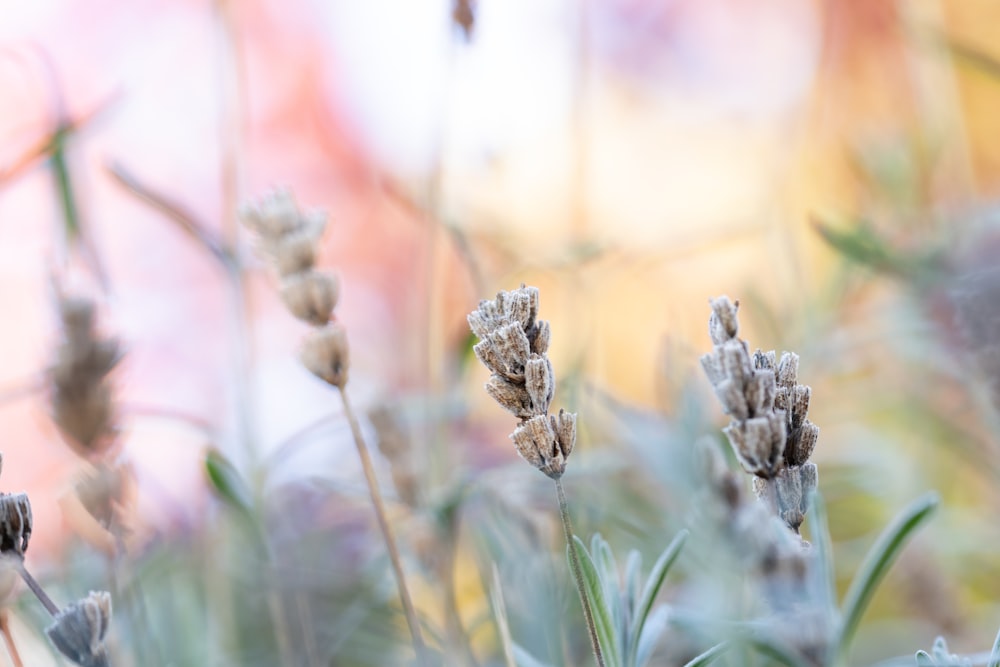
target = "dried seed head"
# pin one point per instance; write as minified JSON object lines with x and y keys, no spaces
{"x":277,"y":216}
{"x":759,"y":443}
{"x":540,"y":382}
{"x":81,"y":398}
{"x":79,"y":630}
{"x":311,"y":296}
{"x":15,"y":523}
{"x":325,"y":354}
{"x":103,"y":492}
{"x":511,"y":396}
{"x":546,"y":442}
{"x":788,"y":493}
{"x":295,"y":253}
{"x":723,"y":324}
{"x":463,"y":14}
{"x":768,"y":407}
{"x":394,"y":443}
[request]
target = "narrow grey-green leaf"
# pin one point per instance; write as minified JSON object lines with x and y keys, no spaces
{"x":709,"y":656}
{"x":598,"y":605}
{"x":500,"y":615}
{"x":227,"y":482}
{"x":652,"y":630}
{"x":823,"y":548}
{"x":877,"y":563}
{"x":653,"y":584}
{"x":776,"y":651}
{"x":608,"y":569}
{"x":995,"y":653}
{"x":525,"y":659}
{"x":923,"y":660}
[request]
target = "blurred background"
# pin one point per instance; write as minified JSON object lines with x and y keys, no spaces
{"x":833,"y":165}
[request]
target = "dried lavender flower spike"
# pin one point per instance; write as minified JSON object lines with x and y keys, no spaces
{"x":79,"y":630}
{"x":15,"y":523}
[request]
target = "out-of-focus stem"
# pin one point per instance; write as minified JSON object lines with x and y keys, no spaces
{"x":8,"y":638}
{"x":35,"y":588}
{"x":578,"y":573}
{"x":387,"y":535}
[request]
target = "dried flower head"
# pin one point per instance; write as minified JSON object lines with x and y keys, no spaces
{"x":325,"y":354}
{"x":769,"y":432}
{"x":285,"y":233}
{"x":15,"y":523}
{"x":512,"y":345}
{"x":104,"y":491}
{"x":79,"y":630}
{"x":310,"y":296}
{"x":769,"y":428}
{"x":81,"y":397}
{"x":394,"y":442}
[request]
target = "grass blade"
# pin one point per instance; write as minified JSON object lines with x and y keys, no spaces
{"x":598,"y":604}
{"x":877,"y":562}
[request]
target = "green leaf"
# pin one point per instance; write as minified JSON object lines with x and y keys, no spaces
{"x":710,"y":655}
{"x":598,"y":605}
{"x":653,"y":584}
{"x":876,"y":564}
{"x":227,"y":482}
{"x":923,"y":660}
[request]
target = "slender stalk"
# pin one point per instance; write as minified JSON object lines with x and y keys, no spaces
{"x":36,"y":588}
{"x":308,"y":632}
{"x":383,"y":524}
{"x":8,"y":638}
{"x":578,"y":573}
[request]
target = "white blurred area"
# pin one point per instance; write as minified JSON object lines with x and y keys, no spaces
{"x":657,"y":119}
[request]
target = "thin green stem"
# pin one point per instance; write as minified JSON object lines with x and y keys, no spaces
{"x":383,"y":523}
{"x":578,"y":574}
